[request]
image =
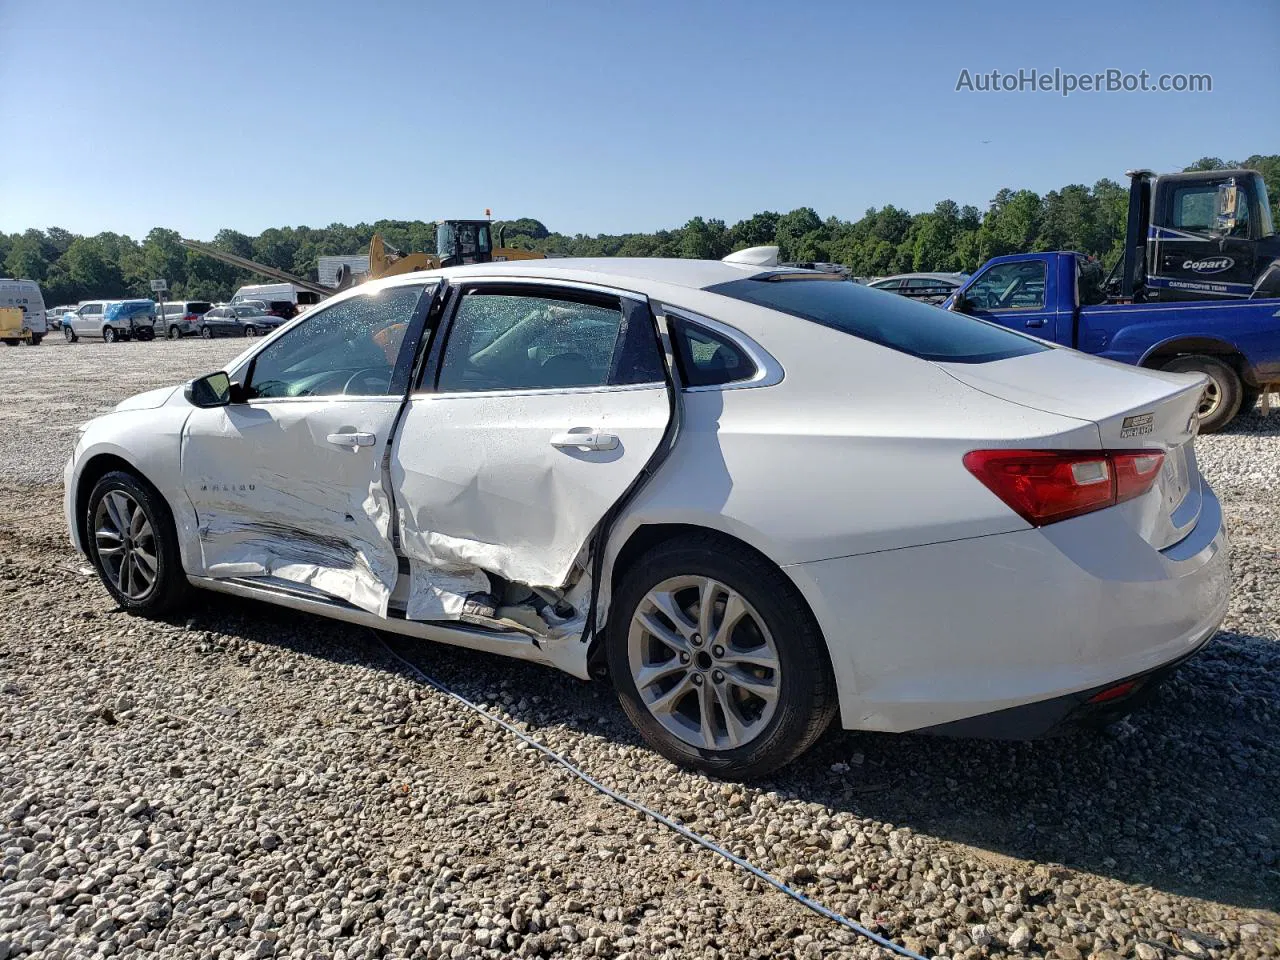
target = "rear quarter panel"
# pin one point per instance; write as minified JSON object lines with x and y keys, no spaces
{"x":1132,"y":332}
{"x":858,"y":449}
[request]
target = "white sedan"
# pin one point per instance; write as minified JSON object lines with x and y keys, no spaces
{"x":756,"y":498}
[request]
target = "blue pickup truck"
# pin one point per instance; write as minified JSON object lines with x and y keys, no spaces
{"x":1061,"y":297}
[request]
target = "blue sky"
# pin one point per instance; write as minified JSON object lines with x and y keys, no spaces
{"x":593,"y":117}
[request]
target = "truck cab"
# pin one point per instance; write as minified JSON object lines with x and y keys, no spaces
{"x":1201,"y":235}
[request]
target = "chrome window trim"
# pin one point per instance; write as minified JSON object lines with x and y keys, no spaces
{"x":768,"y":372}
{"x":540,"y":391}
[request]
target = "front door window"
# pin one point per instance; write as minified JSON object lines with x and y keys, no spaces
{"x":1009,"y":286}
{"x":348,"y":349}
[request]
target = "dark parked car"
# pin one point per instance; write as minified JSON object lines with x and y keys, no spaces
{"x":254,"y":320}
{"x":220,"y":322}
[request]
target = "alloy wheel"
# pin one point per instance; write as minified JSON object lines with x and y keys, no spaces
{"x":126,"y":544}
{"x":1210,"y":400}
{"x":704,"y":663}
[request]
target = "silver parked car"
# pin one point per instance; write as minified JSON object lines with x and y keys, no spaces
{"x":111,"y":321}
{"x":182,"y":317}
{"x":927,"y":287}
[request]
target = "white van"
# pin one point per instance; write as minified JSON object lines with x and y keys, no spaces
{"x":274,"y":292}
{"x":25,"y":295}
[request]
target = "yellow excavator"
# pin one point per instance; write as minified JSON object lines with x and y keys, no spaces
{"x":457,"y":242}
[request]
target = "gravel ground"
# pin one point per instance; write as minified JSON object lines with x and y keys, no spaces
{"x":244,"y":782}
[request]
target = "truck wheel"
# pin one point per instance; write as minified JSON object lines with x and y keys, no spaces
{"x":36,"y":338}
{"x":108,"y":335}
{"x":69,"y":334}
{"x":1223,"y":394}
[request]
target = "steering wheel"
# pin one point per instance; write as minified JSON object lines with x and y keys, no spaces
{"x":375,"y":377}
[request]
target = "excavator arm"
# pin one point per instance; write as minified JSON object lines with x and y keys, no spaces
{"x":261,"y":269}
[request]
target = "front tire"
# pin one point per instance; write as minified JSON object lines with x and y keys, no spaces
{"x":250,"y":331}
{"x":717,"y":660}
{"x":69,"y":334}
{"x":108,"y":335}
{"x":174,"y":333}
{"x":133,"y":544}
{"x":206,"y":333}
{"x":1223,"y":395}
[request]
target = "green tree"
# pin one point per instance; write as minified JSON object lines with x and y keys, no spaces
{"x":27,"y":258}
{"x":791,"y":228}
{"x":756,"y":231}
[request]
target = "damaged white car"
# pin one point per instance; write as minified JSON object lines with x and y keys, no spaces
{"x":755,"y":497}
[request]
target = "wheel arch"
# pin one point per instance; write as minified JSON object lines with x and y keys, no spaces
{"x":1223,"y":350}
{"x":94,"y":469}
{"x":645,"y":537}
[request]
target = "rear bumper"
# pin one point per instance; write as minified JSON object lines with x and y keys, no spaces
{"x":1066,"y":714}
{"x":1020,"y":627}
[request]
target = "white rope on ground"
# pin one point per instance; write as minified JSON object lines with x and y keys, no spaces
{"x":652,"y":814}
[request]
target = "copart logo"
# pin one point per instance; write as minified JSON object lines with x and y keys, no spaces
{"x":1210,"y":265}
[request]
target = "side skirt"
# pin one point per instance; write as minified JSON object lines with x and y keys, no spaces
{"x":565,"y":654}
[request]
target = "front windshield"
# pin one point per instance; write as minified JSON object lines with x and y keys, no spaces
{"x":444,"y":240}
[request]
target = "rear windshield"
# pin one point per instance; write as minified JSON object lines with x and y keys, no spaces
{"x":892,"y":321}
{"x":198,"y":306}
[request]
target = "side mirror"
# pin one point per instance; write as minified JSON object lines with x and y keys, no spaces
{"x":211,"y":390}
{"x":1226,"y":206}
{"x":959,"y":303}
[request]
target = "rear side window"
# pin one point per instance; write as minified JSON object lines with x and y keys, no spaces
{"x":899,"y":323}
{"x":708,"y":359}
{"x":501,"y":342}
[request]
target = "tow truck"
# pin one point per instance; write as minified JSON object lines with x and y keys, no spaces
{"x":1201,"y":235}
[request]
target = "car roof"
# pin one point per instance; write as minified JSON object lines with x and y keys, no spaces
{"x":639,"y":271}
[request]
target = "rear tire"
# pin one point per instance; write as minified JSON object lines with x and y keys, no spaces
{"x":1223,"y":395}
{"x":797,"y":694}
{"x":133,"y":544}
{"x":175,"y":333}
{"x":36,"y":338}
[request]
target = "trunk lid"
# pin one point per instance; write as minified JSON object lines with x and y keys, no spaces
{"x":1133,"y":409}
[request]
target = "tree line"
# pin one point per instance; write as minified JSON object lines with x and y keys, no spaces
{"x":887,"y":240}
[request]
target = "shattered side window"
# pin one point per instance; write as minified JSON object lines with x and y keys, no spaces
{"x":511,"y":342}
{"x":348,"y":349}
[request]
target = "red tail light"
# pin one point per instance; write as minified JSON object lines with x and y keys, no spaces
{"x":1045,"y":486}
